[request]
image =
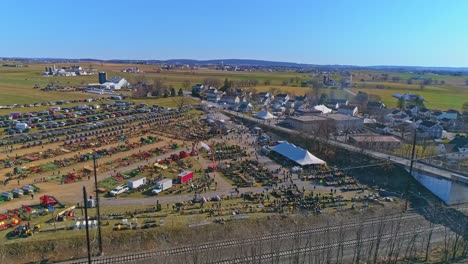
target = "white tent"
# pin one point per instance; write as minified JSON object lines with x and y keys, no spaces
{"x":297,"y":154}
{"x":264,"y":115}
{"x":323,"y":109}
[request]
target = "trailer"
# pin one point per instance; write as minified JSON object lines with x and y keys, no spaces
{"x":162,"y":185}
{"x":185,"y":176}
{"x":133,"y":184}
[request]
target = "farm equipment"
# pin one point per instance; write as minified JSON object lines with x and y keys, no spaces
{"x":71,"y":177}
{"x":175,"y":146}
{"x":4,"y":225}
{"x":183,"y":154}
{"x":194,"y":151}
{"x":49,"y":201}
{"x":23,"y":231}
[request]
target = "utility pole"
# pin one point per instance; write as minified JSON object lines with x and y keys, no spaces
{"x":97,"y":206}
{"x":411,"y":169}
{"x":86,"y":224}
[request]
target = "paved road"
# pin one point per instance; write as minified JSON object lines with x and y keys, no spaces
{"x":348,"y":91}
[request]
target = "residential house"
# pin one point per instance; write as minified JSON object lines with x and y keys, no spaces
{"x":230,"y":99}
{"x":429,"y":129}
{"x":416,"y":121}
{"x":459,"y":147}
{"x":336,"y":103}
{"x":460,"y":144}
{"x":282,"y":98}
{"x":412,"y":110}
{"x":213,"y":95}
{"x":447,"y":123}
{"x":449,"y":114}
{"x":382,"y":129}
{"x":375,"y":105}
{"x":197,"y":89}
{"x":245,"y":107}
{"x":300,"y":101}
{"x":265,"y":98}
{"x":142,"y":89}
{"x":424,"y":113}
{"x":397,"y":116}
{"x":350,"y":110}
{"x":290,"y":104}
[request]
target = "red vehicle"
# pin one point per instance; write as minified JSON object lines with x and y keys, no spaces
{"x":47,"y":201}
{"x":185,"y":176}
{"x":184,"y":154}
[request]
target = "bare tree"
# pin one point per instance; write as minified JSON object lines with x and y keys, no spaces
{"x":180,"y":101}
{"x":212,"y":82}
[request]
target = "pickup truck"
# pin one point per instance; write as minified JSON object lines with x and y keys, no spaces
{"x":119,"y":190}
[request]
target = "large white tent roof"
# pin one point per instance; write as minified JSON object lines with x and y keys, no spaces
{"x":264,"y":115}
{"x":297,"y":154}
{"x":323,"y":109}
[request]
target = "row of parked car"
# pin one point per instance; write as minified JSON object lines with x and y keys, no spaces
{"x":50,"y":119}
{"x":59,"y":102}
{"x":122,"y":117}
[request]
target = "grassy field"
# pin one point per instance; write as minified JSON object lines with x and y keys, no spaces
{"x":436,"y":97}
{"x":16,"y":84}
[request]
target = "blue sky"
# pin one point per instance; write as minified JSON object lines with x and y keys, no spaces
{"x":374,"y":32}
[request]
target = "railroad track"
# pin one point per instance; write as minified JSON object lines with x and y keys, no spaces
{"x":305,"y":250}
{"x":411,"y":214}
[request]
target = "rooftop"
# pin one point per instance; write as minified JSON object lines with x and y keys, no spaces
{"x":340,"y":117}
{"x":308,"y":118}
{"x":374,"y":138}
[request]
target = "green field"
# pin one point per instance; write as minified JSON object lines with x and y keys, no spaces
{"x":16,"y":84}
{"x":435,"y":97}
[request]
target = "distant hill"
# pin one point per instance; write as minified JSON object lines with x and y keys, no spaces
{"x":254,"y":63}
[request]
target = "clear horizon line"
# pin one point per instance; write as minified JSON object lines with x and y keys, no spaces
{"x":265,"y":60}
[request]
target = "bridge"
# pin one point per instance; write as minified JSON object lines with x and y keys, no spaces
{"x":450,"y":187}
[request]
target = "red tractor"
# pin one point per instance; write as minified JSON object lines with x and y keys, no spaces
{"x":47,"y":201}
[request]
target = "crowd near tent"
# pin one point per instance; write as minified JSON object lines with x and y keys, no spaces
{"x":297,"y":154}
{"x":264,"y":115}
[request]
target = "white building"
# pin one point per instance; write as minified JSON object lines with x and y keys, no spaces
{"x":115,"y":83}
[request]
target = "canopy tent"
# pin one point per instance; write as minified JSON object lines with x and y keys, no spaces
{"x":264,"y":115}
{"x":323,"y":109}
{"x":297,"y":154}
